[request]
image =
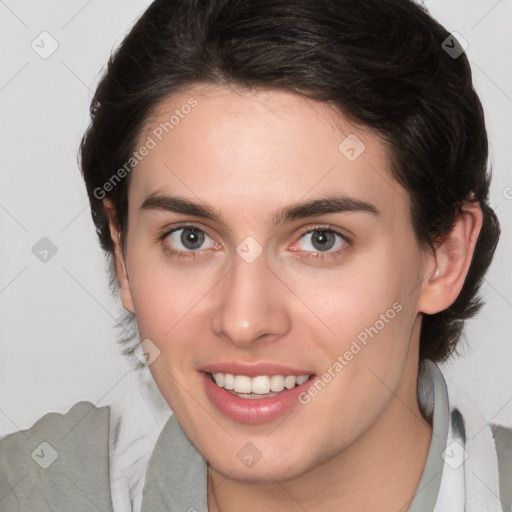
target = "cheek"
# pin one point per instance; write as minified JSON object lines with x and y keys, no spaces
{"x":364,"y":310}
{"x":168,"y":297}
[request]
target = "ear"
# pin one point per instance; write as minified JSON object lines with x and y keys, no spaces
{"x":120,"y":263}
{"x":449,"y":264}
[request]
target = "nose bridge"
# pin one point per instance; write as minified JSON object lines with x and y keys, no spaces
{"x":248,"y":305}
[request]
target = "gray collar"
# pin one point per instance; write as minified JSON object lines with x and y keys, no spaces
{"x":176,"y":478}
{"x":433,"y":397}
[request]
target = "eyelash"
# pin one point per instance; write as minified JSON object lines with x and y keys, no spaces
{"x":194,"y":254}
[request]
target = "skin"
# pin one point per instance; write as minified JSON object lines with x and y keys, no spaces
{"x":362,"y":442}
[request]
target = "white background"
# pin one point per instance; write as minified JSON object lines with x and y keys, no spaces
{"x":57,"y":336}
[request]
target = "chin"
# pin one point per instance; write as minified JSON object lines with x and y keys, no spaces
{"x":262,"y":471}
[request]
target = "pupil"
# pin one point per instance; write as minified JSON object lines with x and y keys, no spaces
{"x":191,"y":238}
{"x":325,"y":239}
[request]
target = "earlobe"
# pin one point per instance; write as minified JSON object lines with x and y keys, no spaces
{"x":120,"y":263}
{"x":451,"y":260}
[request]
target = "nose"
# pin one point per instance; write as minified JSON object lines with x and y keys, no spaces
{"x":251,"y":304}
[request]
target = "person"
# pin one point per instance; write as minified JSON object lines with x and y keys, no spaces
{"x":294,"y":198}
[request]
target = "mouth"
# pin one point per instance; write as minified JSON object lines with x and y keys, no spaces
{"x":255,"y":393}
{"x":259,"y":387}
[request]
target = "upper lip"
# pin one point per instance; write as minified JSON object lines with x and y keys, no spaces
{"x":253,"y":369}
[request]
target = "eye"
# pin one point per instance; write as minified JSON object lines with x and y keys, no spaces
{"x":186,"y":241}
{"x":322,"y":239}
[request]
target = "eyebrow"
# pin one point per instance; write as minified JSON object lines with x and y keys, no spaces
{"x":322,"y":206}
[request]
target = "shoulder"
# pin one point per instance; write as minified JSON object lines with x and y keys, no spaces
{"x":60,"y":462}
{"x":503,"y":441}
{"x":502,"y":436}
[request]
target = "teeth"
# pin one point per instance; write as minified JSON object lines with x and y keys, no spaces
{"x":219,"y":379}
{"x":277,"y":383}
{"x":229,"y":380}
{"x":289,"y":381}
{"x":260,"y":385}
{"x":302,"y":378}
{"x":242,"y":384}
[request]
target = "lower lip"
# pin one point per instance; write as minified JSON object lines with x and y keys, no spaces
{"x":258,"y":410}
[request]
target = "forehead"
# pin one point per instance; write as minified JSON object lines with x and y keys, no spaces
{"x":254,"y":151}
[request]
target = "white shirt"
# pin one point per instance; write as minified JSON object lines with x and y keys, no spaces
{"x":137,"y":415}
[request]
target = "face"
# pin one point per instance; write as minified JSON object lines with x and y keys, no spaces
{"x":266,"y":288}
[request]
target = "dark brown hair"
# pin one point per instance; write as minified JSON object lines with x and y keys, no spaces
{"x":382,"y":63}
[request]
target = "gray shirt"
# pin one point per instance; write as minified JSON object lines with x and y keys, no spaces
{"x":61,"y":463}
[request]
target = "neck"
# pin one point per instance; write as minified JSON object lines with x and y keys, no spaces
{"x":380,"y":471}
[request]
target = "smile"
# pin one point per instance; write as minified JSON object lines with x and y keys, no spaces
{"x":258,"y":399}
{"x":261,"y":386}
